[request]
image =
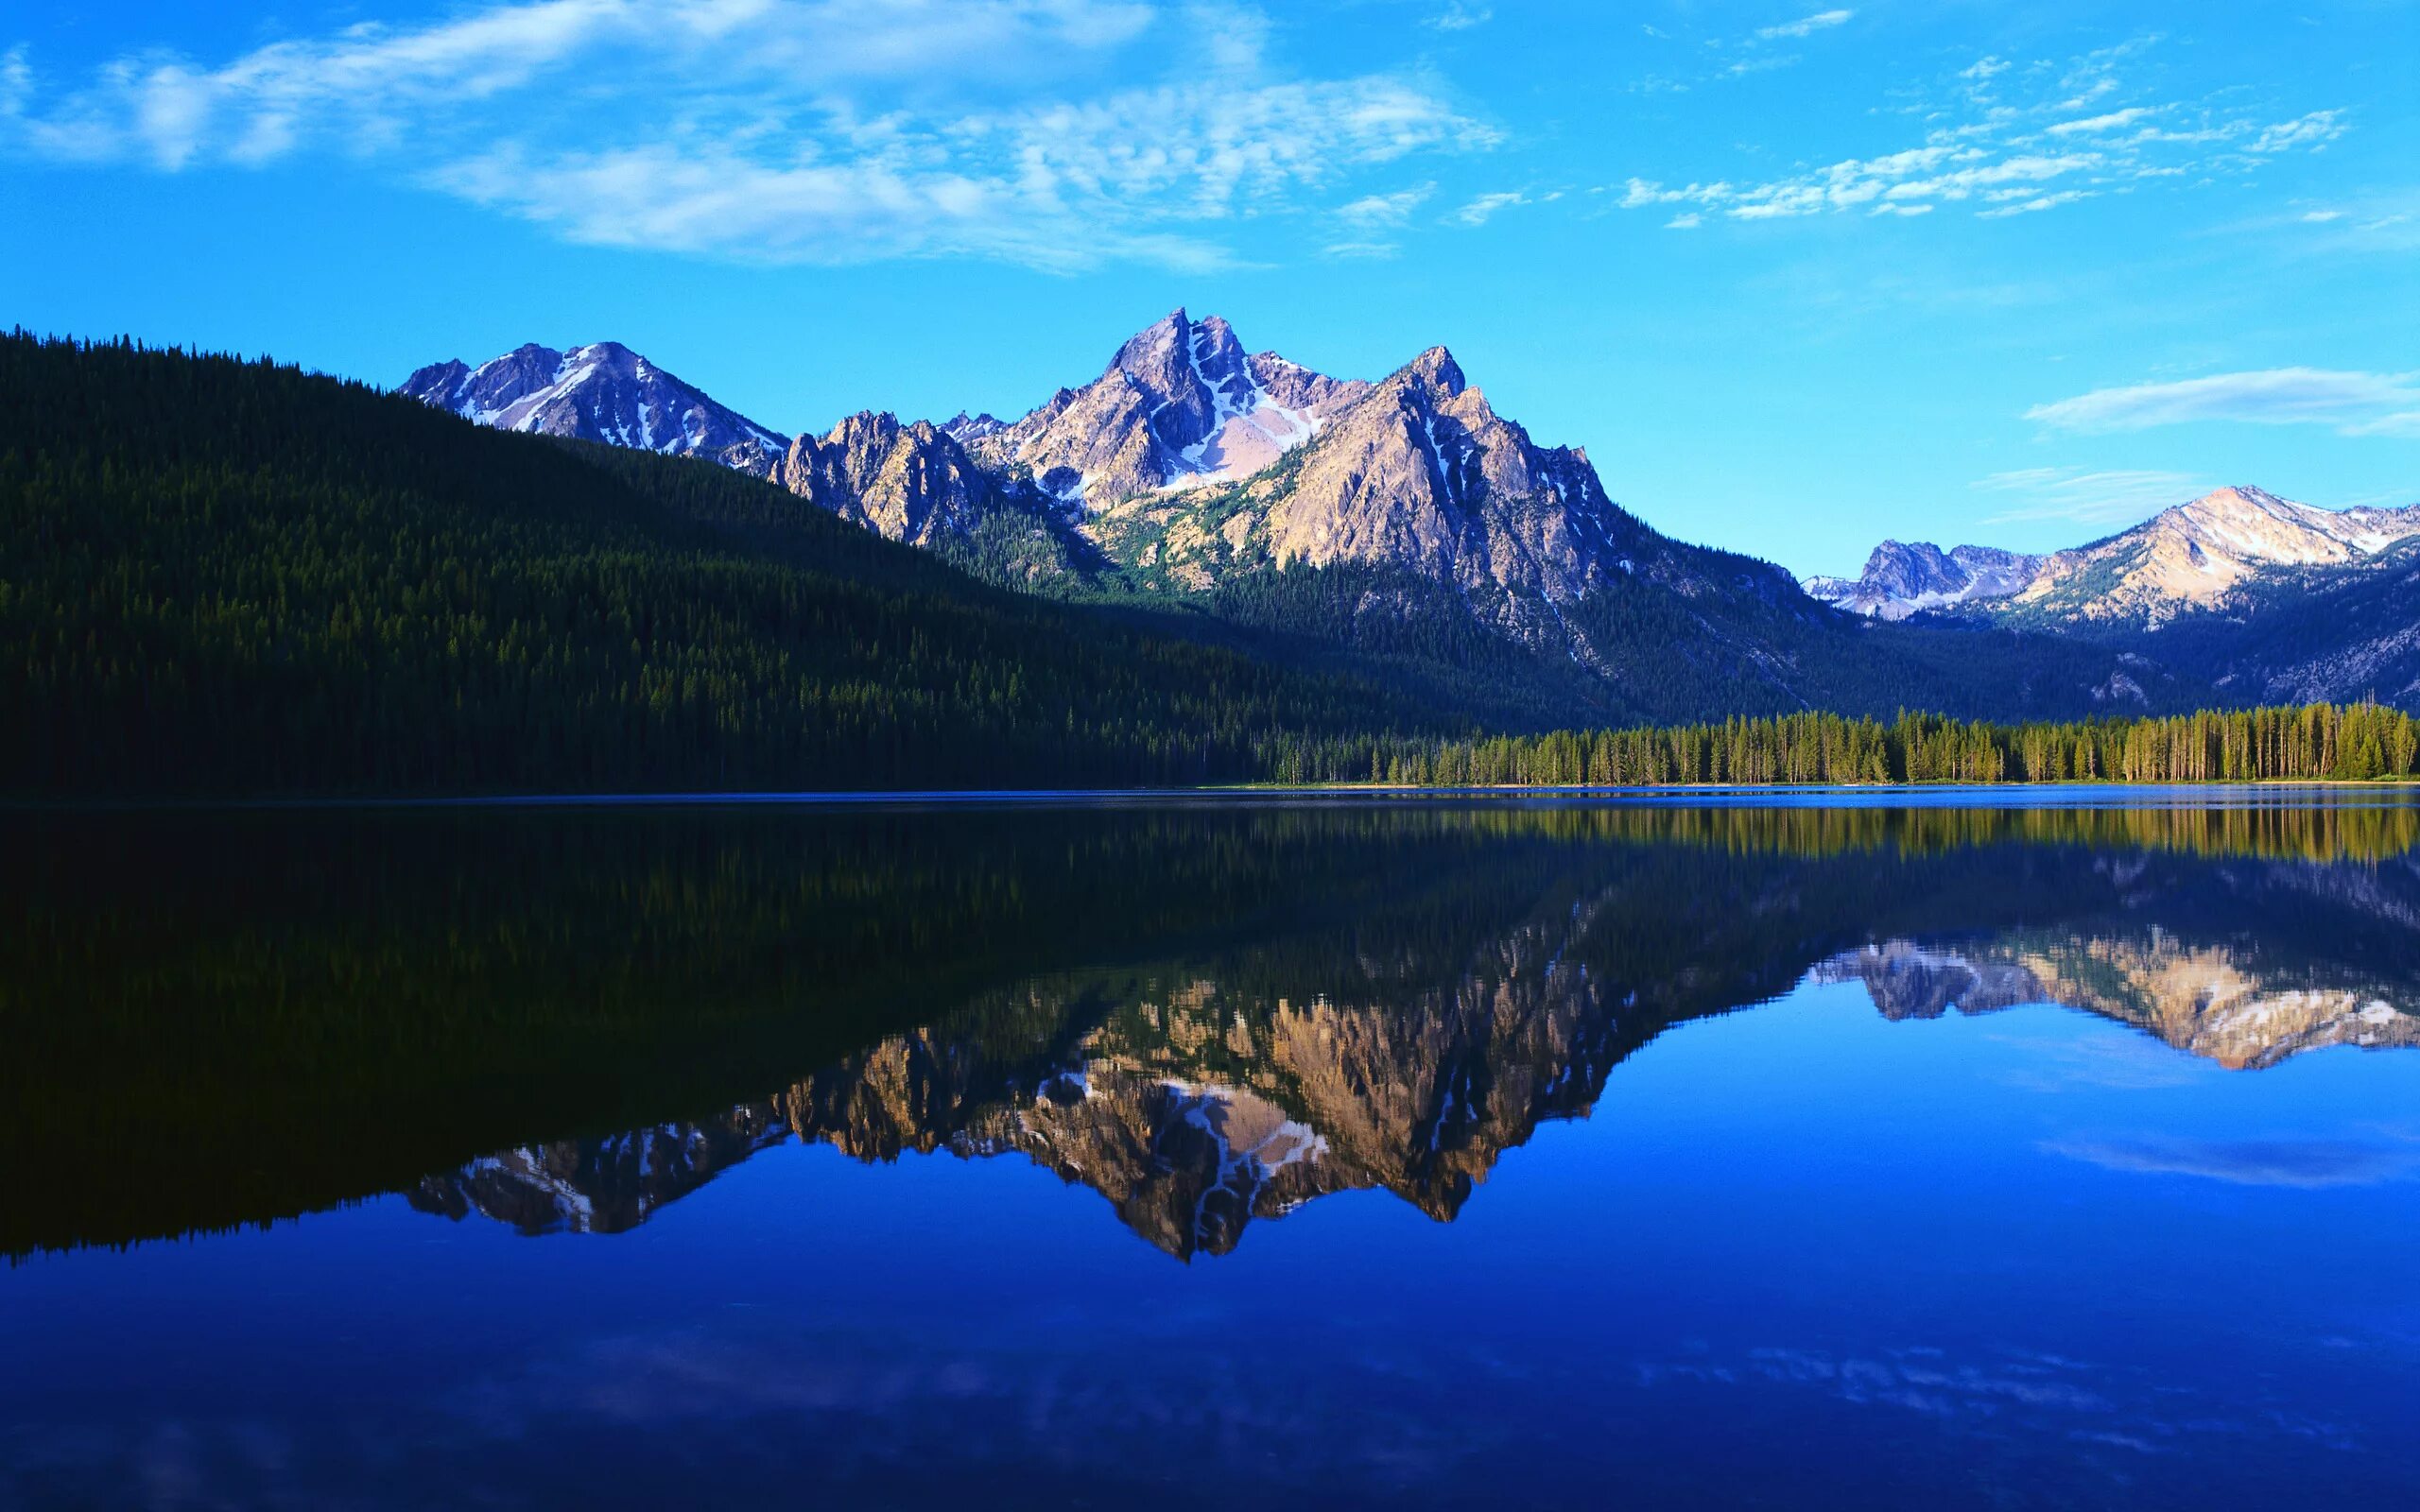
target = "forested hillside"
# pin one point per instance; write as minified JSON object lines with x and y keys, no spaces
{"x":226,"y":577}
{"x":219,"y":577}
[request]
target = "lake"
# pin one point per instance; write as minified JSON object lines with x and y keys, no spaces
{"x":1813,"y":1150}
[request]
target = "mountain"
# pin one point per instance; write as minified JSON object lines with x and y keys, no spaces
{"x":2190,"y":557}
{"x":1179,"y":405}
{"x":915,"y":483}
{"x":1400,"y":531}
{"x":602,"y":392}
{"x":1900,"y":578}
{"x":2347,"y":633}
{"x":1417,"y":474}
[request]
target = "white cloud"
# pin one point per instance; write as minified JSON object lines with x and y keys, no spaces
{"x":1479,"y":211}
{"x":2020,"y":153}
{"x":1461,"y":15}
{"x":2029,"y":204}
{"x":2356,"y":404}
{"x":1386,"y":209}
{"x":2108,"y":122}
{"x":787,"y":130}
{"x":1805,"y":27}
{"x":1686,"y":220}
{"x":2089,"y":497}
{"x":2312,"y":130}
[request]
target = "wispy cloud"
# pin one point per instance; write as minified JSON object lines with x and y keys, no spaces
{"x":2087,"y":496}
{"x":1460,"y":15}
{"x":1366,"y":222}
{"x":2354,"y":403}
{"x":2002,"y":151}
{"x":1479,"y":210}
{"x":1805,"y":27}
{"x":1386,"y":209}
{"x":784,"y":131}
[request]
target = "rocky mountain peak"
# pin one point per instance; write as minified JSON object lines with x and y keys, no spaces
{"x":967,"y":429}
{"x":1437,"y":367}
{"x":1903,"y":578}
{"x":909,"y":482}
{"x":1179,"y":405}
{"x":604,"y":392}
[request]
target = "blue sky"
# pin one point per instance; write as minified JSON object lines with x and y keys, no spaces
{"x":1798,"y":276}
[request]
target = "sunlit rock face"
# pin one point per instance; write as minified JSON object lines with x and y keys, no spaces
{"x":1181,"y":404}
{"x":2192,"y":556}
{"x":912,"y":483}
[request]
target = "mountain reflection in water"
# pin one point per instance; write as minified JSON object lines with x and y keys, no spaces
{"x":1198,"y":1096}
{"x":1207,"y":1014}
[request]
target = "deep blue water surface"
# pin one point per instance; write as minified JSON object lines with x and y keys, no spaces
{"x":1465,"y":1154}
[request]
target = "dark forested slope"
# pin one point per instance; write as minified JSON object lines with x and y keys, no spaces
{"x":227,"y":578}
{"x":224,"y":577}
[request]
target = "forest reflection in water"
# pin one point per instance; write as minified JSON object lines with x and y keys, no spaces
{"x":1210,"y":1014}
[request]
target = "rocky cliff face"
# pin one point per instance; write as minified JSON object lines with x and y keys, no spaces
{"x":1902,"y":578}
{"x":1423,"y":474}
{"x":1179,"y":405}
{"x":604,"y":392}
{"x":912,"y":483}
{"x":1419,"y":474}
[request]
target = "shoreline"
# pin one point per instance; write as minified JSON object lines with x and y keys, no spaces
{"x":2014,"y":795}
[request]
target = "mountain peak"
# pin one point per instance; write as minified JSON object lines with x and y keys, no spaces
{"x":603,"y":391}
{"x":1437,"y":366}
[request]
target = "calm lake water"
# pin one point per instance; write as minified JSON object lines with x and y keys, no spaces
{"x":1454,"y":1152}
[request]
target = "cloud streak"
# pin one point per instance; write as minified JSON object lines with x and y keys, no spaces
{"x":2068,"y":141}
{"x":2354,"y":403}
{"x":784,"y":131}
{"x":2085,"y":496}
{"x":1806,"y":26}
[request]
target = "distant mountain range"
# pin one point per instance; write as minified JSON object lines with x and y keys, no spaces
{"x":1187,"y":461}
{"x":2193,"y":556}
{"x":1193,"y":469}
{"x":1402,"y":523}
{"x":2267,"y":598}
